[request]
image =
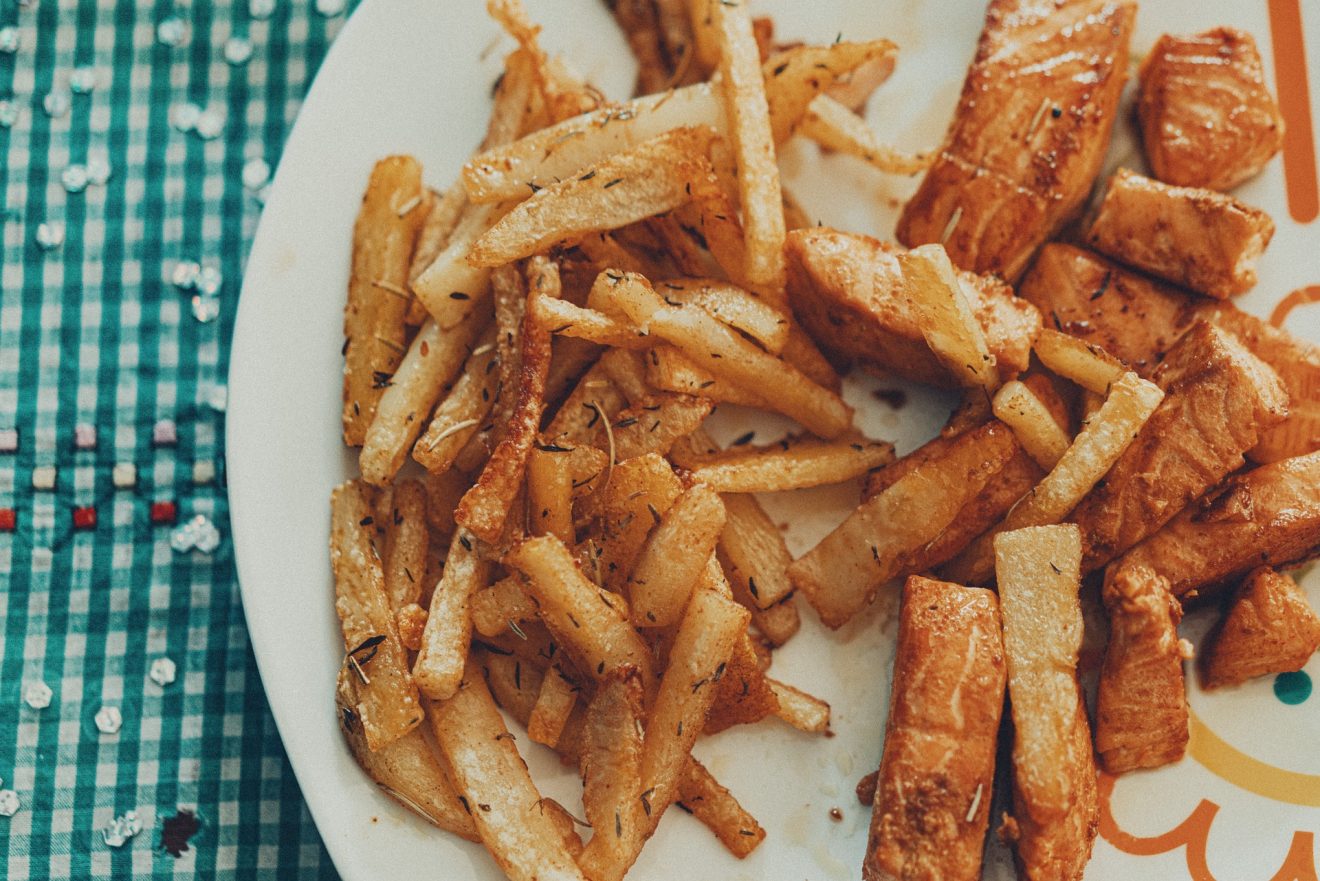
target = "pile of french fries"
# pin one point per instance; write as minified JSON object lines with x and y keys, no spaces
{"x":542,"y":525}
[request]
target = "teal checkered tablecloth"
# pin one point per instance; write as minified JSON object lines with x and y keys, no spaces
{"x":137,"y":139}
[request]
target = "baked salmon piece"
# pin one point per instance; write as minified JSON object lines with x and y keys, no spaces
{"x":932,"y":796}
{"x":1207,"y":117}
{"x":848,"y":289}
{"x":1270,"y":628}
{"x":1138,"y":320}
{"x":1029,"y":134}
{"x":1269,"y":516}
{"x":1218,"y":398}
{"x":1141,"y":707}
{"x":1198,"y":238}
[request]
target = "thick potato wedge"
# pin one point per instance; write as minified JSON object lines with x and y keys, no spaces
{"x":947,"y":320}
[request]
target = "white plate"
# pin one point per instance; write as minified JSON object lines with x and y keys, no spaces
{"x":412,"y":76}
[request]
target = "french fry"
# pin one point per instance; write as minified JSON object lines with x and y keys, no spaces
{"x":406,"y":539}
{"x":835,"y":127}
{"x":407,"y":769}
{"x":491,"y":777}
{"x":748,"y":115}
{"x":701,"y":650}
{"x":1086,"y":364}
{"x":433,"y":359}
{"x":383,"y":237}
{"x":1018,"y":407}
{"x":1038,"y":570}
{"x":796,"y":78}
{"x":442,"y":217}
{"x":550,"y":491}
{"x":803,"y":711}
{"x":442,"y":494}
{"x":582,"y":617}
{"x":716,"y":807}
{"x":562,"y":96}
{"x":611,"y":775}
{"x":630,"y":498}
{"x":792,"y":463}
{"x":1096,"y":447}
{"x":670,"y":370}
{"x":554,"y":704}
{"x":649,"y":179}
{"x":675,"y":554}
{"x":949,"y":325}
{"x":451,"y":288}
{"x":736,"y":307}
{"x":587,"y":324}
{"x":745,"y":696}
{"x":440,"y":661}
{"x":593,"y":398}
{"x":388,"y":706}
{"x":504,"y":601}
{"x":752,"y":552}
{"x":878,"y":541}
{"x":626,"y":370}
{"x":508,"y":293}
{"x":411,"y":621}
{"x":458,"y":417}
{"x":802,"y":353}
{"x":486,"y":506}
{"x":656,"y":423}
{"x":718,"y":349}
{"x":777,"y":624}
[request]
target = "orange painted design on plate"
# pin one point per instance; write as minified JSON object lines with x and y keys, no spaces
{"x":1299,"y":297}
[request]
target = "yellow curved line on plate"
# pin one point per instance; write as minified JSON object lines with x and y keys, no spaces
{"x":1229,"y":763}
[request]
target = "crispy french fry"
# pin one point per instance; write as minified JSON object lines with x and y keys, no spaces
{"x":777,"y":624}
{"x":803,"y":711}
{"x":802,"y":353}
{"x":550,"y":491}
{"x":674,"y":556}
{"x":442,"y":494}
{"x":1086,"y":364}
{"x":949,"y":325}
{"x":388,"y":706}
{"x":407,"y":769}
{"x":1097,"y":446}
{"x":587,"y":324}
{"x":486,"y":506}
{"x":440,"y":661}
{"x":383,"y":238}
{"x":835,"y":127}
{"x":611,"y":775}
{"x":738,"y":308}
{"x":583,"y":618}
{"x":796,"y":78}
{"x":745,"y":695}
{"x":718,"y":349}
{"x":458,"y":417}
{"x":411,"y":621}
{"x":554,"y":704}
{"x":748,"y":115}
{"x":1038,"y":570}
{"x":594,"y":397}
{"x":627,"y":503}
{"x":792,"y":463}
{"x":649,"y":179}
{"x":492,"y":778}
{"x":451,"y":288}
{"x":442,"y":216}
{"x":668,"y":369}
{"x":656,"y":423}
{"x":504,"y":601}
{"x":1018,"y":407}
{"x":406,"y":538}
{"x":701,"y":650}
{"x":433,"y":359}
{"x":716,"y":807}
{"x":880,"y":539}
{"x":752,"y":552}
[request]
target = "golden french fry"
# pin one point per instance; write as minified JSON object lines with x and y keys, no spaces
{"x":842,"y":574}
{"x":458,"y":417}
{"x":745,"y":695}
{"x":718,"y":349}
{"x":583,"y":618}
{"x":670,"y":370}
{"x":388,"y":706}
{"x":451,"y":288}
{"x":407,"y":769}
{"x":442,"y":494}
{"x":442,"y":217}
{"x":611,"y":776}
{"x":595,"y":397}
{"x":1018,"y":407}
{"x":433,"y":359}
{"x":504,"y":601}
{"x":1095,"y":449}
{"x":748,"y":115}
{"x":628,"y":501}
{"x":1038,"y":571}
{"x":674,"y":557}
{"x":792,"y":463}
{"x":752,"y":552}
{"x":650,"y":179}
{"x":1086,"y":364}
{"x":777,"y":624}
{"x":796,"y":78}
{"x":563,"y":317}
{"x":411,"y":621}
{"x":802,"y":353}
{"x":656,"y":423}
{"x":705,"y":639}
{"x":406,"y":539}
{"x":716,"y":807}
{"x":440,"y":661}
{"x":803,"y":711}
{"x":736,"y":307}
{"x":486,"y":506}
{"x":550,"y":491}
{"x":383,"y":238}
{"x":554,"y":704}
{"x":948,"y":323}
{"x":837,"y":128}
{"x":492,"y":778}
